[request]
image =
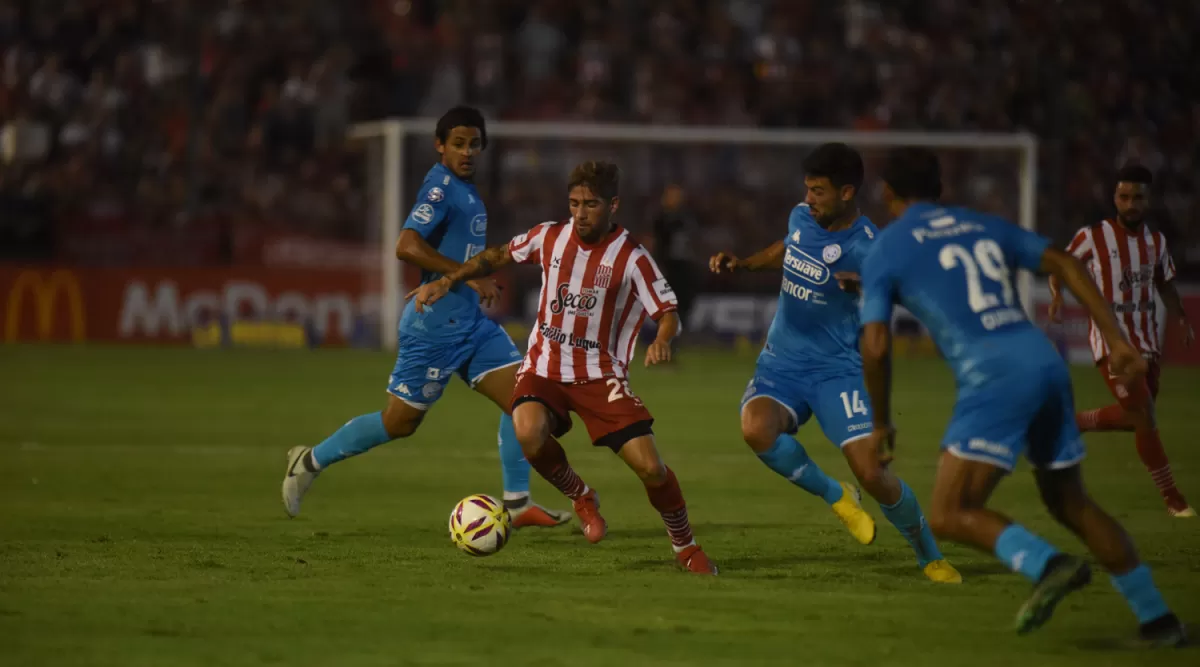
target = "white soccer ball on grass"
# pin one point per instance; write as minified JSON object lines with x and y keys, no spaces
{"x":480,"y":525}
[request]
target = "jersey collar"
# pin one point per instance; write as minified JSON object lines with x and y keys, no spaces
{"x":917,"y":209}
{"x":444,"y":170}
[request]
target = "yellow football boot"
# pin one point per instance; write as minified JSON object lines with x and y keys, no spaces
{"x":850,"y":512}
{"x":942,"y":572}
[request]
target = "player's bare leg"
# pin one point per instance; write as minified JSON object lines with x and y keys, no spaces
{"x":764,"y":428}
{"x":900,"y":506}
{"x":1064,"y":494}
{"x":498,"y":386}
{"x":533,"y":422}
{"x":397,"y":420}
{"x":662,"y":487}
{"x":959,"y":512}
{"x":401,"y":419}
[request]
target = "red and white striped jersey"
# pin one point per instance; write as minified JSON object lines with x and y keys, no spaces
{"x":593,"y":301}
{"x":1125,"y":264}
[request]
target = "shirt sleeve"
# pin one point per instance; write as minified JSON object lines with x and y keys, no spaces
{"x":430,"y":212}
{"x":651,"y":288}
{"x":878,"y":286}
{"x":1081,"y":245}
{"x":1165,"y":265}
{"x":527,"y":248}
{"x":859,"y":250}
{"x":1025,"y":247}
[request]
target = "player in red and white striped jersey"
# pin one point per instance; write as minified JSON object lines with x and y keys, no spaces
{"x":1130,"y":264}
{"x":593,"y":301}
{"x":598,"y":287}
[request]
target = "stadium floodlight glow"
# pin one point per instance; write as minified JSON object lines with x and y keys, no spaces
{"x":387,"y":169}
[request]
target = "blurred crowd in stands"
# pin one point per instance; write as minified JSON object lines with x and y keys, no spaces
{"x":168,"y":131}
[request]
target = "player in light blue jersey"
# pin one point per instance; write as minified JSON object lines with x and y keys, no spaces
{"x":810,"y":365}
{"x":954,"y":269}
{"x":446,"y":227}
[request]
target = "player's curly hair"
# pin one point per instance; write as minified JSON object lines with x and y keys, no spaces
{"x":461,"y":117}
{"x":602,"y":178}
{"x":838,"y":162}
{"x":913,"y":173}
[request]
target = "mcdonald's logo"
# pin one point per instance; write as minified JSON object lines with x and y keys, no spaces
{"x":45,"y":293}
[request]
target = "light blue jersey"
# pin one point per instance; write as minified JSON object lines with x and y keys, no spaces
{"x":955,"y":270}
{"x":816,"y":323}
{"x":811,"y":363}
{"x":451,"y":217}
{"x":453,"y":336}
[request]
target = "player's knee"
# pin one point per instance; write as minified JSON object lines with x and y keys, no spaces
{"x":759,"y":431}
{"x":401,"y":420}
{"x":1065,"y":504}
{"x":942,"y":521}
{"x":531,"y":435}
{"x":532,"y":428}
{"x":872,"y":476}
{"x":652,"y":473}
{"x":1060,"y":512}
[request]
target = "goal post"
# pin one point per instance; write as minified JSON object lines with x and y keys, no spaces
{"x":401,"y":150}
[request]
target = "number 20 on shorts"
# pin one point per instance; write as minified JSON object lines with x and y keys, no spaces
{"x":618,"y":389}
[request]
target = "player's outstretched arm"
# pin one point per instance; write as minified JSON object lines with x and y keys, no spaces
{"x":770,"y":257}
{"x":1056,"y":299}
{"x":1081,"y":247}
{"x":483,"y":264}
{"x":660,"y":350}
{"x":411,"y":248}
{"x":1175,"y":311}
{"x":1123,"y":359}
{"x":875,"y":345}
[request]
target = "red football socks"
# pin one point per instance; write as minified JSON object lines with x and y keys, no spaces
{"x":667,"y":498}
{"x":1107,"y":418}
{"x":551,"y":463}
{"x":1150,"y":451}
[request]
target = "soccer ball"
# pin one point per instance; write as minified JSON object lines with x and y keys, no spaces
{"x":480,"y":525}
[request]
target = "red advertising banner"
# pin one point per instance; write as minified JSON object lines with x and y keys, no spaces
{"x":165,"y":305}
{"x":337,"y":307}
{"x":65,"y":304}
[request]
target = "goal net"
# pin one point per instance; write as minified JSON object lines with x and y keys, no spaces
{"x":739,"y":186}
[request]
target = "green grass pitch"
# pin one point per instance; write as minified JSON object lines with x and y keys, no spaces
{"x":140,"y":524}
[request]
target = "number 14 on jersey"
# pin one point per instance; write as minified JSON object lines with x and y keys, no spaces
{"x":853,"y":404}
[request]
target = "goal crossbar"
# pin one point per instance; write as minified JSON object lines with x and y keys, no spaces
{"x":394,"y":131}
{"x":696,"y":134}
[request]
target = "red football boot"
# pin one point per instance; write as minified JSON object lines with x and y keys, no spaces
{"x":693,"y":559}
{"x":587,"y":508}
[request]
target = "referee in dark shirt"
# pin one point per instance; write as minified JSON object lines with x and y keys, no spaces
{"x":675,"y":230}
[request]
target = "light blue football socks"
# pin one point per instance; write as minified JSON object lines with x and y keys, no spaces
{"x":788,"y":458}
{"x":1024,"y":552}
{"x":513,"y":465}
{"x":358,"y":435}
{"x":365,"y":432}
{"x":906,"y":516}
{"x":1142,"y":595}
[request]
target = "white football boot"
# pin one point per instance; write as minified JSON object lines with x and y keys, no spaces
{"x":296,"y":480}
{"x":1185,"y":513}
